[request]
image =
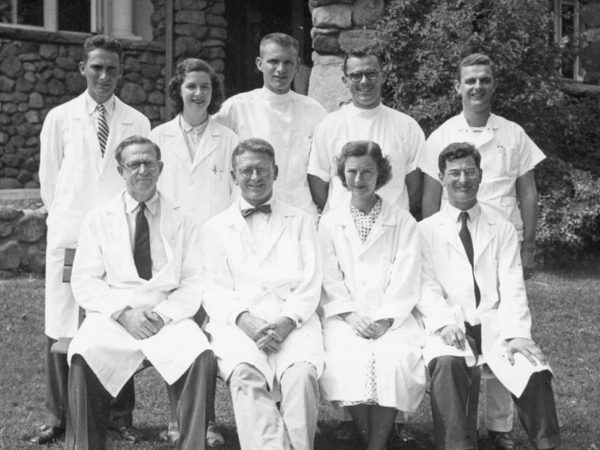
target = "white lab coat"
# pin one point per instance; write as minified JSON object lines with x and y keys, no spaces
{"x":203,"y":185}
{"x":507,"y":153}
{"x":503,"y":311}
{"x":399,"y":136}
{"x":281,"y":278}
{"x":287,"y":122}
{"x":380,"y":279}
{"x":74,"y":178}
{"x":106,"y":281}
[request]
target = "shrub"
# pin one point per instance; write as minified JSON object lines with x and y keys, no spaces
{"x":422,"y":42}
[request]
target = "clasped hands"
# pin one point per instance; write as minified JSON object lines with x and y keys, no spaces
{"x":140,"y":322}
{"x":454,"y":336}
{"x":268,"y":335}
{"x":365,"y":327}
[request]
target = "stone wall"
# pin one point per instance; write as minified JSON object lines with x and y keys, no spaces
{"x":39,"y":70}
{"x":339,"y":26}
{"x":199,"y":29}
{"x":22,"y":239}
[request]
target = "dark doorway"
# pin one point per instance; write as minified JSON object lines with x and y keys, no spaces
{"x":247,"y":22}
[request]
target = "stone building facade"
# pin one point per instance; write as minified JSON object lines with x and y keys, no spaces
{"x":39,"y":69}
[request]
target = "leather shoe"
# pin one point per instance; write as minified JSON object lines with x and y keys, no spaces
{"x":128,"y":434}
{"x":47,"y":434}
{"x":501,"y":440}
{"x":402,"y":438}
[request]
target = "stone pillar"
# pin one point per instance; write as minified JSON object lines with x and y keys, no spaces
{"x":122,"y":14}
{"x":339,"y":26}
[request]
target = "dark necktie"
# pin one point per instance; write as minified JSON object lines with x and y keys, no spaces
{"x":467,"y":241}
{"x":262,"y":208}
{"x":102,"y":127}
{"x":141,"y":245}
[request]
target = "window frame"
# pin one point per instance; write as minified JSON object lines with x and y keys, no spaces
{"x":50,"y":14}
{"x":576,"y":36}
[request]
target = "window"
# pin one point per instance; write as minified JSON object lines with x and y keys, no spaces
{"x":567,"y":35}
{"x":52,"y":15}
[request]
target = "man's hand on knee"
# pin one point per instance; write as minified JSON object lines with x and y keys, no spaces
{"x":139,"y":322}
{"x":525,"y":347}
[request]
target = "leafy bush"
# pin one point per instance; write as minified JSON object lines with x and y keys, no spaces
{"x":422,"y":42}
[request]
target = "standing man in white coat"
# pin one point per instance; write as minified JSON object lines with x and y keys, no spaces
{"x":137,"y":273}
{"x":78,"y":171}
{"x":472,"y":269}
{"x":280,"y":116}
{"x":263,"y":273}
{"x":508,"y":159}
{"x":366,"y":118}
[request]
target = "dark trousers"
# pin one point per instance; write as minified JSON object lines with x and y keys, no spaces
{"x":454,"y":386}
{"x":454,"y":397}
{"x":57,"y":372}
{"x":89,"y":404}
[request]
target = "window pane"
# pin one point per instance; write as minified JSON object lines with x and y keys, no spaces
{"x":74,"y":15}
{"x":30,"y":12}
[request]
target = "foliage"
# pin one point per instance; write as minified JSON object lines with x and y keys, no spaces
{"x":569,"y":222}
{"x":422,"y":42}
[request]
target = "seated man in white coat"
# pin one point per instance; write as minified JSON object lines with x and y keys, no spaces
{"x":472,"y":275}
{"x":137,"y":274}
{"x":263,"y":273}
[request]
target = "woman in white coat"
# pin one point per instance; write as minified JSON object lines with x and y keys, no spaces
{"x":371,"y":284}
{"x":196,"y":151}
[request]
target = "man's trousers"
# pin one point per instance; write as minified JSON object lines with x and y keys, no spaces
{"x":89,"y":404}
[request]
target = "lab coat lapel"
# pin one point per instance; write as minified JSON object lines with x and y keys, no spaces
{"x":448,"y":228}
{"x":275,"y":229}
{"x":119,"y":230}
{"x":483,"y":237}
{"x":344,"y":220}
{"x":384,"y":223}
{"x":90,"y":137}
{"x":168,"y":229}
{"x":175,"y":141}
{"x":208,"y":144}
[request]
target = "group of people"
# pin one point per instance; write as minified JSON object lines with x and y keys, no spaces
{"x":199,"y":247}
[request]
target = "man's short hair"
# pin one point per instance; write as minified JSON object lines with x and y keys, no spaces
{"x":196,"y":65}
{"x":476,"y":59}
{"x":361,"y":54}
{"x":133,"y":140}
{"x":458,"y":150}
{"x":108,"y":43}
{"x":255,"y":145}
{"x":364,"y":148}
{"x":281,"y":39}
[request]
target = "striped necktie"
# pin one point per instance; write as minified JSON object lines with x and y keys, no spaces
{"x":102,"y":127}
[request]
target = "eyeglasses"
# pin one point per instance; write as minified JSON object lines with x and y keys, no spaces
{"x":135,"y":166}
{"x":247,"y":172}
{"x":356,"y":77}
{"x":469,"y":173}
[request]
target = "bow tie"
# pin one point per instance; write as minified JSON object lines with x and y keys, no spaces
{"x":262,"y":209}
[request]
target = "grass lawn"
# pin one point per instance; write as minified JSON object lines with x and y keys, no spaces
{"x":566,"y":313}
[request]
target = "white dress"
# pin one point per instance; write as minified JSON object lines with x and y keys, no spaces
{"x":379,"y":278}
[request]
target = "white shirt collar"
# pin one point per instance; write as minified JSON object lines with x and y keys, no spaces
{"x":187,"y":128}
{"x":272,"y":97}
{"x":131,"y":204}
{"x":454,"y":213}
{"x":91,"y":104}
